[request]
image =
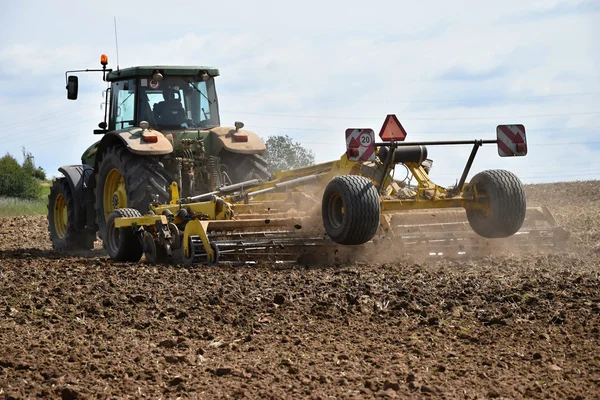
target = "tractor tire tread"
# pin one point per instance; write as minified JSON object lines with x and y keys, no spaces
{"x":244,"y":167}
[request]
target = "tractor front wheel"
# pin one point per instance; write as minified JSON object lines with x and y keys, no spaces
{"x":350,"y":209}
{"x":501,"y":204}
{"x":61,"y":220}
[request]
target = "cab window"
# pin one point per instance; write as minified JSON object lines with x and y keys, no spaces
{"x":123,"y":104}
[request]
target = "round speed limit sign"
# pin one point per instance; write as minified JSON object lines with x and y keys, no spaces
{"x":365,"y":139}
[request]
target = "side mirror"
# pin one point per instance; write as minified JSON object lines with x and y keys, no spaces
{"x":72,"y":87}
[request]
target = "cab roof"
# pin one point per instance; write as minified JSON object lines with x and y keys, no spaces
{"x":166,"y":70}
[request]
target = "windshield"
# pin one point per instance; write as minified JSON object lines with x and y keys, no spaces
{"x":178,"y":102}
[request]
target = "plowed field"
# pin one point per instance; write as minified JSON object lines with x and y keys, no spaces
{"x":497,"y":326}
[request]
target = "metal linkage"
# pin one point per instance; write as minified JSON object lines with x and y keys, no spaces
{"x":435,"y":143}
{"x":465,"y":173}
{"x":393,"y":145}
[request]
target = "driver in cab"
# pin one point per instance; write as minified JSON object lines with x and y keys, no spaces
{"x":170,"y":111}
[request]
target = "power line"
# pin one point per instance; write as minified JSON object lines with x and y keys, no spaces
{"x":439,"y":101}
{"x":469,"y":145}
{"x":36,"y":122}
{"x":559,"y":144}
{"x":35,"y":100}
{"x":55,"y":127}
{"x":412,"y":119}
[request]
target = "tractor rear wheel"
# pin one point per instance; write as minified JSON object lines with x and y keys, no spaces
{"x":244,"y":167}
{"x":61,"y":220}
{"x":350,"y":209}
{"x":122,"y":244}
{"x":504,"y":204}
{"x":127,"y":180}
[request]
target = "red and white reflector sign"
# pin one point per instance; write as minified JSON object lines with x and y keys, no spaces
{"x":392,"y":130}
{"x":360,"y":144}
{"x":511,"y":140}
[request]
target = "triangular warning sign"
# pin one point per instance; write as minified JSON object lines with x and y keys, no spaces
{"x":392,"y":130}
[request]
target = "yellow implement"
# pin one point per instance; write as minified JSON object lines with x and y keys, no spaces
{"x":312,"y":213}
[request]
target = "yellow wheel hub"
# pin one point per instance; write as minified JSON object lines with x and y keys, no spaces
{"x":60,"y":215}
{"x":115,"y":193}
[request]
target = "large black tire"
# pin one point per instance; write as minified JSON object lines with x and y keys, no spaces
{"x":122,"y":244}
{"x":503,"y":194}
{"x":244,"y":167}
{"x":350,"y":209}
{"x":143,"y":177}
{"x":61,"y":220}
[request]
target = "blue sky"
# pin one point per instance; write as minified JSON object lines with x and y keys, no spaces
{"x":448,"y":70}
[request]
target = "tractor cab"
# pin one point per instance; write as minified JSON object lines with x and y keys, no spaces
{"x":166,"y":97}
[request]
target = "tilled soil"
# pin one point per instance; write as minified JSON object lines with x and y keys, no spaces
{"x":499,"y":326}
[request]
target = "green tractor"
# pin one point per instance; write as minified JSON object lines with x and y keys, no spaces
{"x":161,"y":125}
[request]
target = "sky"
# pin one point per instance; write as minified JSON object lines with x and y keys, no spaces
{"x":449,"y":70}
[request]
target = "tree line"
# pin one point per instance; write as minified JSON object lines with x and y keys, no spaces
{"x":20,"y":180}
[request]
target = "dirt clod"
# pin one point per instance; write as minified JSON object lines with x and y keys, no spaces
{"x":175,"y":381}
{"x":69,"y":394}
{"x":222,"y":371}
{"x":138,"y":298}
{"x":279,"y":299}
{"x":169,"y":344}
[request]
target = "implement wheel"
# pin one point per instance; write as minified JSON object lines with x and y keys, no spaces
{"x":502,"y":196}
{"x":61,"y":220}
{"x":127,"y":180}
{"x":350,"y":209}
{"x":122,"y":244}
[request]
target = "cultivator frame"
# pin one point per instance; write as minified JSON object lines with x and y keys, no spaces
{"x":279,"y":220}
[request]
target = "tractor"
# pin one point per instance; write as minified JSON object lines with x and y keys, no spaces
{"x":161,"y":127}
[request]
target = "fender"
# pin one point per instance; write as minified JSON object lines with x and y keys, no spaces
{"x":78,"y":177}
{"x":133,"y":139}
{"x":222,"y":137}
